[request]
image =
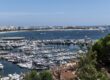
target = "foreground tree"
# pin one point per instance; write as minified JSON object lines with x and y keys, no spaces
{"x":87,"y":68}
{"x":102,"y":49}
{"x":33,"y":75}
{"x":46,"y":75}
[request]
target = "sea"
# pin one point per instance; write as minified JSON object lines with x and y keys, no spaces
{"x":10,"y":68}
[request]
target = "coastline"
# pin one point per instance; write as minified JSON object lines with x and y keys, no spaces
{"x":12,"y":31}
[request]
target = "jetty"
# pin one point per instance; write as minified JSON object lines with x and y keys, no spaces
{"x":67,"y":41}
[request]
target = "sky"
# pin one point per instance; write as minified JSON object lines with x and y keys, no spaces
{"x":54,"y":12}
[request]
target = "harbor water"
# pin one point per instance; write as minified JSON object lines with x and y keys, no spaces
{"x":69,"y":34}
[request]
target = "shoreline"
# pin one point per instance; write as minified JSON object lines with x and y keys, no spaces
{"x":49,"y":30}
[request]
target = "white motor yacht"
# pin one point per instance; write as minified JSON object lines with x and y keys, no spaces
{"x":1,"y":66}
{"x":25,"y":65}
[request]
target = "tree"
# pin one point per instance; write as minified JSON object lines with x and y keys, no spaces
{"x":46,"y":75}
{"x":87,"y":68}
{"x":33,"y":75}
{"x":102,"y":49}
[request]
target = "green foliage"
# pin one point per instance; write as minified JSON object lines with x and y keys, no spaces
{"x":102,"y":48}
{"x":87,"y":68}
{"x":46,"y":75}
{"x":33,"y":75}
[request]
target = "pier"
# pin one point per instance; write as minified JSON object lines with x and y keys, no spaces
{"x":66,"y":41}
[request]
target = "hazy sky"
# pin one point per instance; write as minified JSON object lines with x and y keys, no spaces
{"x":54,"y":12}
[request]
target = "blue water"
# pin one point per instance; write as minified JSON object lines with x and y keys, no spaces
{"x":72,"y":34}
{"x":43,"y":35}
{"x":11,"y":68}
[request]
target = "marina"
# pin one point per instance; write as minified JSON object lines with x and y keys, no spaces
{"x":54,"y":40}
{"x":33,"y":52}
{"x":26,"y":53}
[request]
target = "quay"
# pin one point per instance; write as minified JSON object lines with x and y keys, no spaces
{"x":67,"y":41}
{"x":53,"y":41}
